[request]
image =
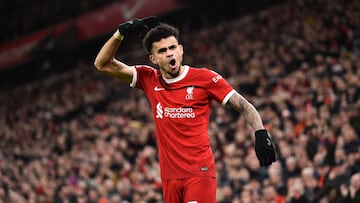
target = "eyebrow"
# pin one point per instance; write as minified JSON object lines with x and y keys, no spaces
{"x":161,"y":50}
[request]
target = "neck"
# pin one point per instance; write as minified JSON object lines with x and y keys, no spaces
{"x":169,"y":75}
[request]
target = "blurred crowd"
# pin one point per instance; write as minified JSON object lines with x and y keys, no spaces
{"x":82,"y":137}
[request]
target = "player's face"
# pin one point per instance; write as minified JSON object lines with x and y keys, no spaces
{"x":167,"y":54}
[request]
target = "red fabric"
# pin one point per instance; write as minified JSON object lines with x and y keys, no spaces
{"x":181,"y":111}
{"x":198,"y":189}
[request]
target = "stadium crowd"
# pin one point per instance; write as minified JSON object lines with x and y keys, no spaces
{"x":80,"y":137}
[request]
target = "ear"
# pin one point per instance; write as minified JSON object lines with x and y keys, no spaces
{"x":181,"y":49}
{"x":152,"y":59}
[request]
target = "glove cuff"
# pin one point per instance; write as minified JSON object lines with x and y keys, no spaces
{"x":118,"y":35}
{"x":262,"y":133}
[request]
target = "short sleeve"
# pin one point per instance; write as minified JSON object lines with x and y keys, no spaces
{"x":218,"y":88}
{"x":142,"y":75}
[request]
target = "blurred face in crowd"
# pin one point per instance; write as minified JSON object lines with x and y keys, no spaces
{"x":355,"y":181}
{"x":291,"y":164}
{"x":269,"y":193}
{"x":307,"y":175}
{"x":167,"y":54}
{"x":275,"y":175}
{"x":245,"y":196}
{"x":296,"y":188}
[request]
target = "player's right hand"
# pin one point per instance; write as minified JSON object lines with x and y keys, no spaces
{"x":136,"y":26}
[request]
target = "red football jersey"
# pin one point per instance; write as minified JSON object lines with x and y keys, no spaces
{"x":181,"y":109}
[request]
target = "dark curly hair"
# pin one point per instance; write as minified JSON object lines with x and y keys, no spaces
{"x":157,"y":33}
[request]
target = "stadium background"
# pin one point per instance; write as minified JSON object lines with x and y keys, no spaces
{"x":70,"y":134}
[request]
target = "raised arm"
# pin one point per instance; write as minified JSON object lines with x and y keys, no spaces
{"x":264,"y":147}
{"x":105,"y":60}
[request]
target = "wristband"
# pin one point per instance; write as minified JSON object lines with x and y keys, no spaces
{"x":118,"y":35}
{"x":262,"y":133}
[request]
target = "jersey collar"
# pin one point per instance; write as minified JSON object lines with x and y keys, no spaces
{"x":178,"y":78}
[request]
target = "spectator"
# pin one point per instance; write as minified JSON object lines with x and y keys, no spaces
{"x":270,"y":195}
{"x":309,"y":187}
{"x":351,"y":193}
{"x":296,"y":192}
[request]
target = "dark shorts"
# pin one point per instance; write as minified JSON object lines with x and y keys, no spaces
{"x":190,"y":190}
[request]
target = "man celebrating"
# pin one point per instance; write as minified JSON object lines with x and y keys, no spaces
{"x":180,"y":97}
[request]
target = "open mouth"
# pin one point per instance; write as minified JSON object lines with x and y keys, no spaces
{"x":172,"y":62}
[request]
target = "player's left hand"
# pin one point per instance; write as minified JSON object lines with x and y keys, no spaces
{"x":264,"y":147}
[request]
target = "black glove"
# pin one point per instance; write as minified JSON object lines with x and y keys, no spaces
{"x":264,"y":148}
{"x":137,"y":26}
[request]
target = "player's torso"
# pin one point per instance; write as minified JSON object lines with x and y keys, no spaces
{"x":181,"y":110}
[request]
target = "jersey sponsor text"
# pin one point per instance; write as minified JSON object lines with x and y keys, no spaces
{"x":174,"y":112}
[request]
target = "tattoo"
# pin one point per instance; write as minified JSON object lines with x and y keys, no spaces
{"x":252,"y":116}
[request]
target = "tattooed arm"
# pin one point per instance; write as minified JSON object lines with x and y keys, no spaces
{"x":252,"y":116}
{"x":264,"y":147}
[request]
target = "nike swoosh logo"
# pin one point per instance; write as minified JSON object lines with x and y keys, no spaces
{"x":156,"y":88}
{"x":129,"y":12}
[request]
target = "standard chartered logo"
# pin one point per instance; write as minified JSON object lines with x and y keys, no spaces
{"x":174,"y":112}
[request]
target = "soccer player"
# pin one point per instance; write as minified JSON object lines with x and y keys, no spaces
{"x":180,"y":97}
